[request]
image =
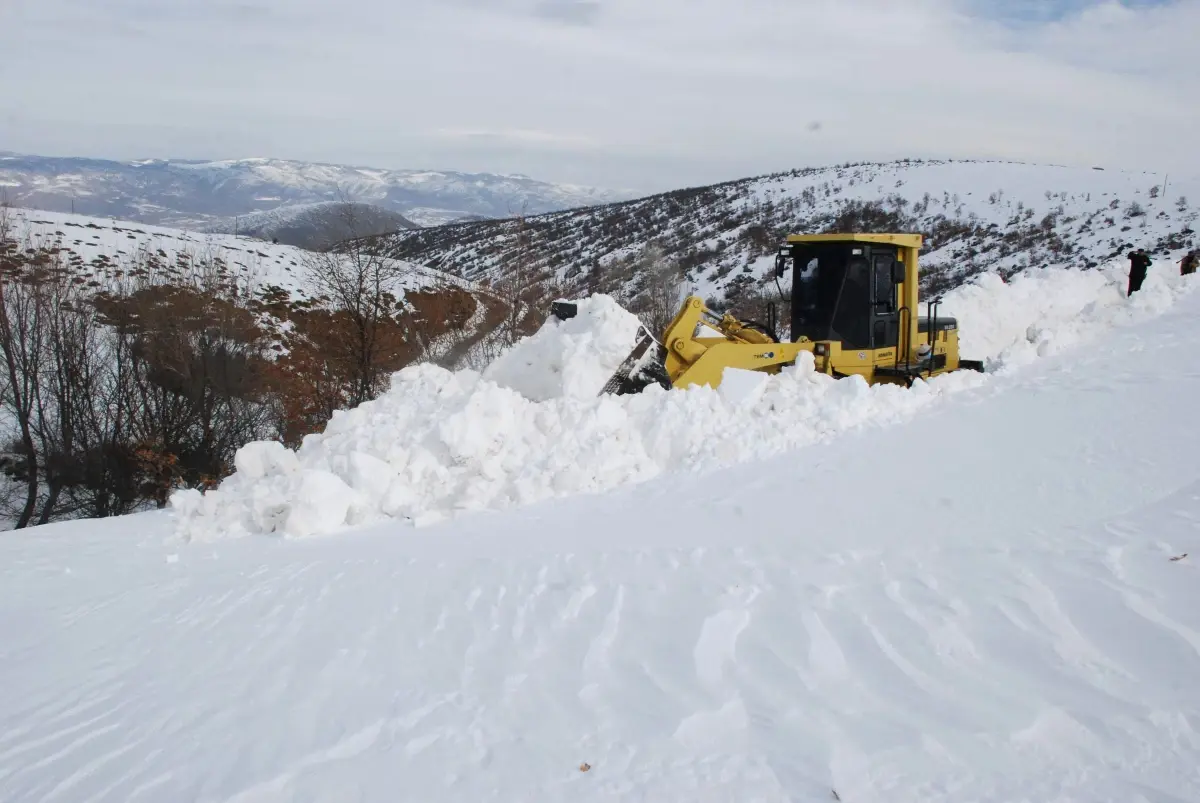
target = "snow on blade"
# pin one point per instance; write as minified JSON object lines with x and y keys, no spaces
{"x":572,"y":358}
{"x":531,"y":428}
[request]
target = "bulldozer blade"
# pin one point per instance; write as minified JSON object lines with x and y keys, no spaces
{"x":645,"y":366}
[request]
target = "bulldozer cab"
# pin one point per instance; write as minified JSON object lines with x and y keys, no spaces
{"x":851,"y":288}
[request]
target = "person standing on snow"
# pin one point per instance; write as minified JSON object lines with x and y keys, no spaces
{"x":1188,"y":263}
{"x":1139,"y":263}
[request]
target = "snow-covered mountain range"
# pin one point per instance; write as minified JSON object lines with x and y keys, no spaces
{"x":977,"y":216}
{"x":198,"y":194}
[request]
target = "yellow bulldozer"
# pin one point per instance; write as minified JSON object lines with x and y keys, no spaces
{"x":854,"y":306}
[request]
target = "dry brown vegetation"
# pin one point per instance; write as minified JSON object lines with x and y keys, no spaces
{"x":123,"y":381}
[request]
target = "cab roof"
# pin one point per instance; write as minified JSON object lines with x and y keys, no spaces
{"x":903,"y":240}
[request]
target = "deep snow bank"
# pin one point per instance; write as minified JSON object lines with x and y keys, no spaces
{"x":1042,"y":311}
{"x":531,"y":427}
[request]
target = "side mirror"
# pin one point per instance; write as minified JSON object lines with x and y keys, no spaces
{"x":897,"y":273}
{"x":781,"y":262}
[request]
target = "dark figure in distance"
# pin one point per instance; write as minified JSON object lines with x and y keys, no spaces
{"x":1188,"y":263}
{"x":1139,"y":263}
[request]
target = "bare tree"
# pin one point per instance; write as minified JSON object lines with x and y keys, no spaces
{"x":367,"y":290}
{"x":514,"y":285}
{"x":66,"y":391}
{"x":21,"y":351}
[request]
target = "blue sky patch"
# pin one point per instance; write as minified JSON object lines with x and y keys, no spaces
{"x":1034,"y":11}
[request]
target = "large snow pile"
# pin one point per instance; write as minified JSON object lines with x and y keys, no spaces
{"x":531,"y":427}
{"x":1042,"y":311}
{"x":572,"y":358}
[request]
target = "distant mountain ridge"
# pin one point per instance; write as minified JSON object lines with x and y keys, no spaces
{"x":205,"y":194}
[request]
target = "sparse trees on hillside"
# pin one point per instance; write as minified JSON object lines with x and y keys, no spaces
{"x":661,"y":284}
{"x":516,"y":283}
{"x":525,"y":287}
{"x":113,"y":399}
{"x":519,"y":286}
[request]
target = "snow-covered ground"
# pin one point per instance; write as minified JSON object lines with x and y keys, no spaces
{"x":104,"y":248}
{"x":977,"y":604}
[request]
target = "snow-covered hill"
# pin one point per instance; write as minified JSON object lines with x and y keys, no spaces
{"x":978,"y":216}
{"x":104,"y":249}
{"x":988,"y":594}
{"x":198,"y":194}
{"x":272,"y":278}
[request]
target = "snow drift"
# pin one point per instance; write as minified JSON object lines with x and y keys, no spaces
{"x":531,"y":427}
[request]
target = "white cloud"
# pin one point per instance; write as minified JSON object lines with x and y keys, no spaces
{"x":519,"y":137}
{"x":611,"y":92}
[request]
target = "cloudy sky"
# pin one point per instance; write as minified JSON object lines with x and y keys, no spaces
{"x":638,"y":94}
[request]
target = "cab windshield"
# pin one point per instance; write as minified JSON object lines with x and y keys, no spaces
{"x":831,"y":296}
